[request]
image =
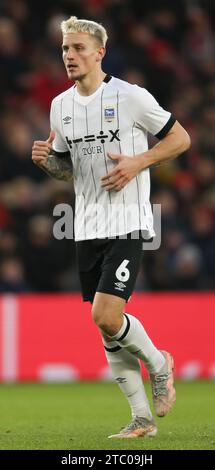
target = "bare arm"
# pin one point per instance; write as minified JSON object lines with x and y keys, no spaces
{"x":56,"y":164}
{"x":173,"y":144}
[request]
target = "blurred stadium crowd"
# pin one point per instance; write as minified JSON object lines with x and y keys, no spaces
{"x":166,"y":46}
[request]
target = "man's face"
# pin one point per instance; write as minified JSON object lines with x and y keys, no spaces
{"x":81,"y":54}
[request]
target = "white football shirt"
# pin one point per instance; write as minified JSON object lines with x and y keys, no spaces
{"x":116,"y":119}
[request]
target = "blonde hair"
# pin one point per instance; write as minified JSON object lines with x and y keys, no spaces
{"x":74,"y":25}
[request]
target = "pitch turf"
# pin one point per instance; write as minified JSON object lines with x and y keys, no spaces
{"x":82,"y":415}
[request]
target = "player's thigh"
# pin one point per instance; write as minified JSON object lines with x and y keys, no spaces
{"x":89,"y":267}
{"x":89,"y":281}
{"x":120,"y":267}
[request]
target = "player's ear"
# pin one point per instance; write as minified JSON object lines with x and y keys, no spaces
{"x":100,"y":53}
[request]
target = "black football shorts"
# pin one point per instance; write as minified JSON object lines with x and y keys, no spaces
{"x":109,"y":265}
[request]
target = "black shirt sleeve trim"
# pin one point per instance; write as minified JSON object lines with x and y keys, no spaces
{"x":59,"y":154}
{"x":161,"y":134}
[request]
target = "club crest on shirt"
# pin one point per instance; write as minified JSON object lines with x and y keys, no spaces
{"x":109,"y":113}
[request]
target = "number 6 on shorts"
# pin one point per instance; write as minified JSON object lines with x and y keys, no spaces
{"x":123,"y":273}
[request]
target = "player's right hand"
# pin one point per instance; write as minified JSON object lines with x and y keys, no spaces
{"x":42,"y":148}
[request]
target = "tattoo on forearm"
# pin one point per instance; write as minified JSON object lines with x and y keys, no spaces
{"x":59,"y":166}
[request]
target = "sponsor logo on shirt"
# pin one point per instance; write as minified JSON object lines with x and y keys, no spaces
{"x":101,"y":138}
{"x":91,"y":150}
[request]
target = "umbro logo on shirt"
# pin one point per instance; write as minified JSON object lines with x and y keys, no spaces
{"x":67,"y":119}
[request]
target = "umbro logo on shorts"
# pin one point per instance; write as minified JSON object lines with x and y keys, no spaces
{"x":120,"y":286}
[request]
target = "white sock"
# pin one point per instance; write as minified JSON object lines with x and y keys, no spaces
{"x":134,"y":338}
{"x":127,"y":373}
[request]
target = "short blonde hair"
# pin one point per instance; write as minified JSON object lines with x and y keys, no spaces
{"x":74,"y":25}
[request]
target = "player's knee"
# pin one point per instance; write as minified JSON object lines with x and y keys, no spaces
{"x":101,"y":317}
{"x":106,"y":319}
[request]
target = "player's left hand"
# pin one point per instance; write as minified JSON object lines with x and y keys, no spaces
{"x":126,"y":169}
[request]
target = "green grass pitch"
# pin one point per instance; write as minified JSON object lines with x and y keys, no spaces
{"x":82,"y":415}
